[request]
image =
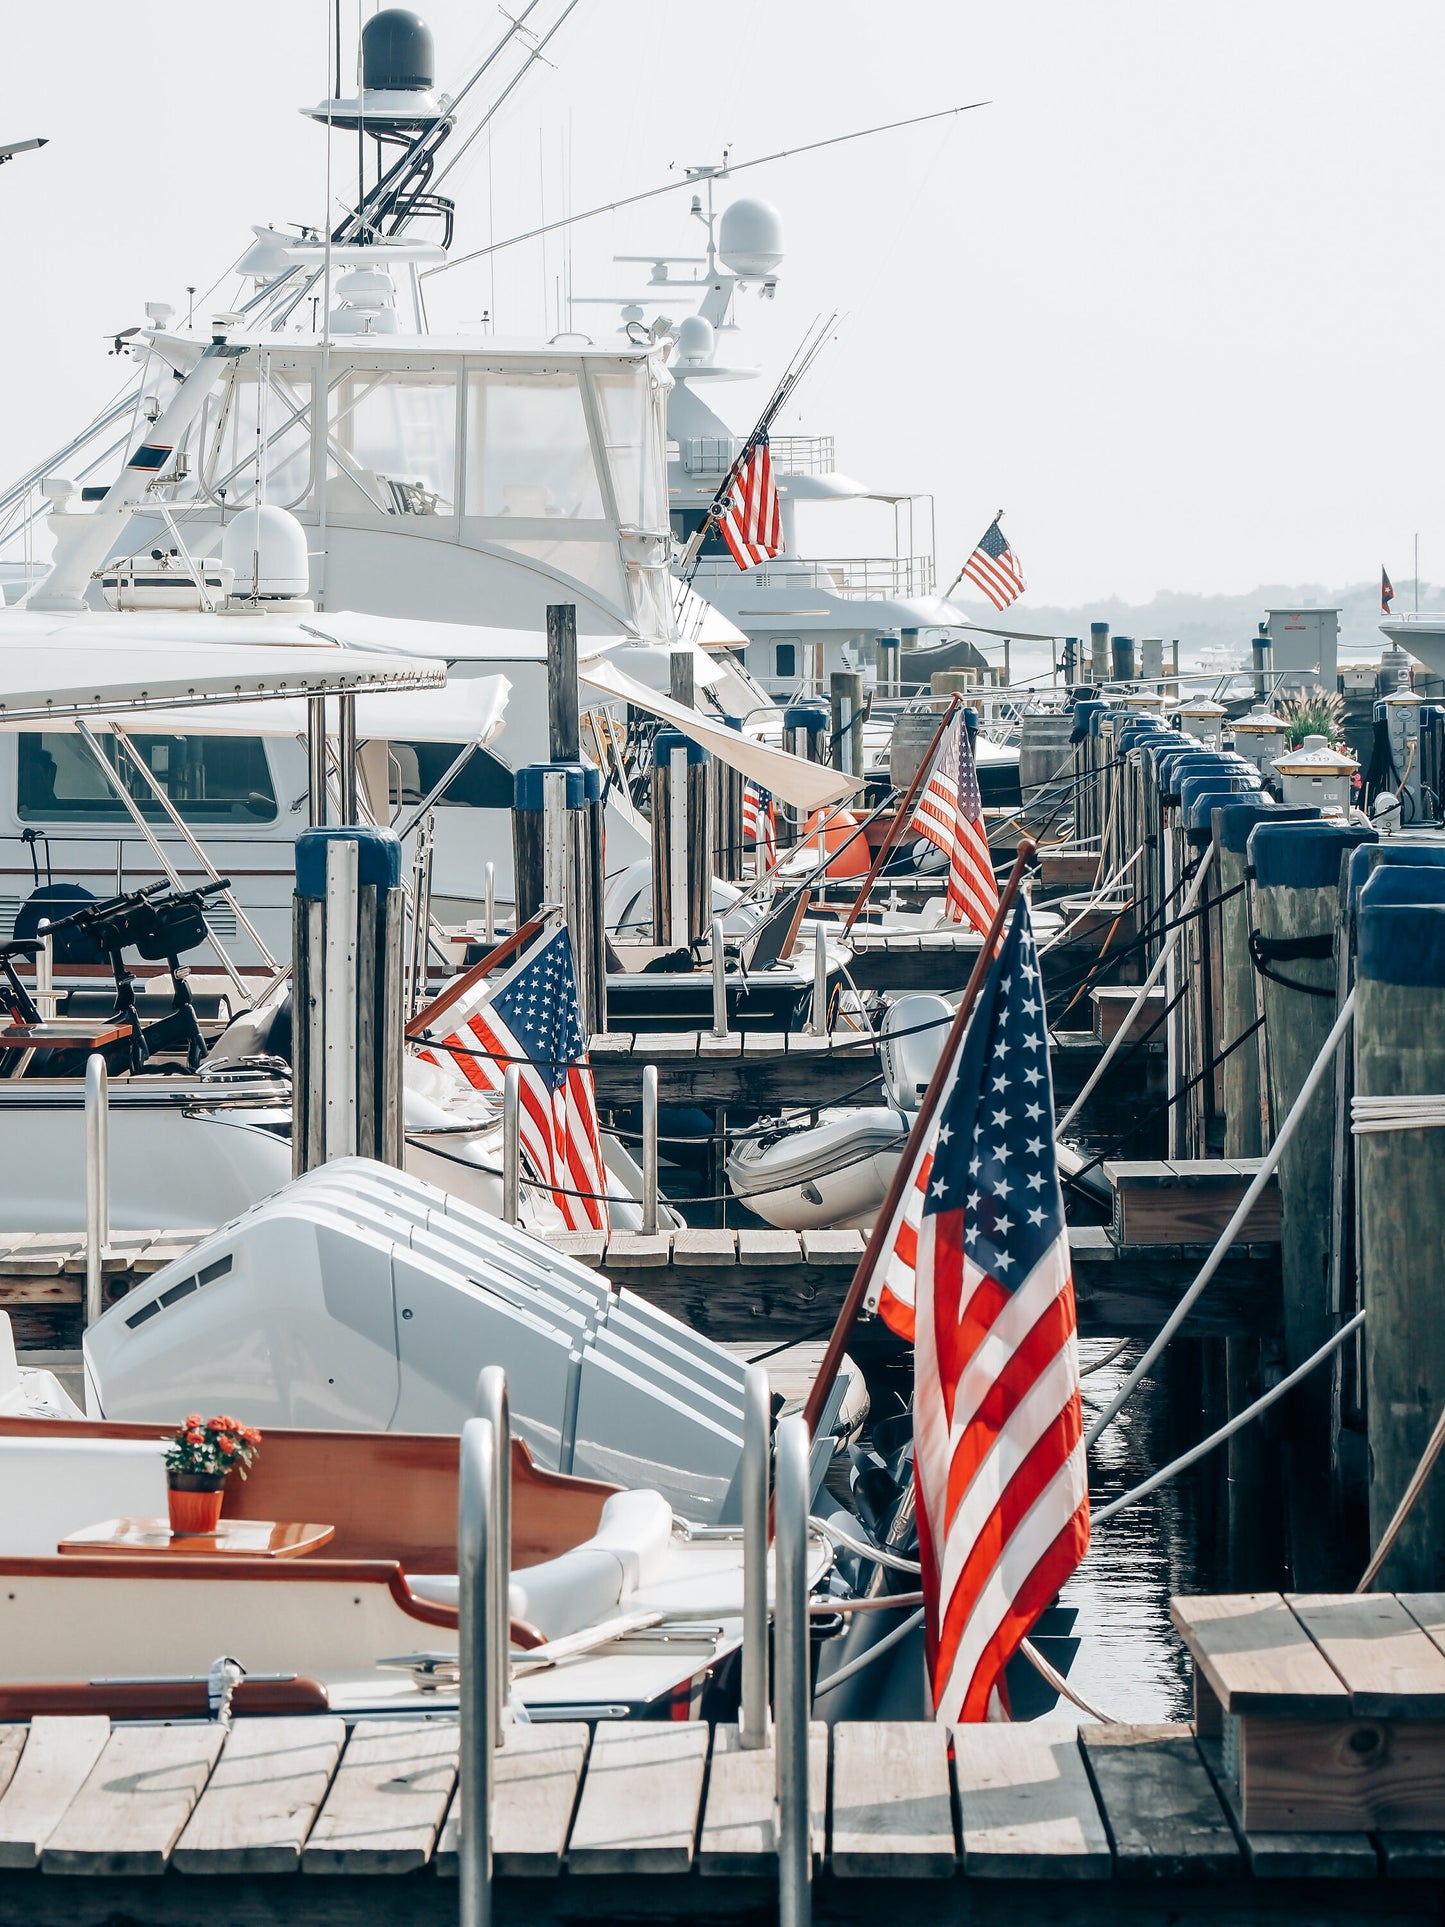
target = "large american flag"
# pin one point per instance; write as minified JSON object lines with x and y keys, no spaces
{"x":994,"y":568}
{"x":531,"y":1018}
{"x":999,"y":1470}
{"x":751,"y":519}
{"x":760,"y":824}
{"x":950,"y":814}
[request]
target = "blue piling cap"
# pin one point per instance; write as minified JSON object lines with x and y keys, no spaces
{"x":378,"y":857}
{"x":1201,"y":796}
{"x":1098,"y":628}
{"x":1163,"y":742}
{"x":668,"y":740}
{"x":1233,"y":820}
{"x":1397,"y":853}
{"x":1096,"y":717}
{"x":811,"y":716}
{"x":1134,"y":733}
{"x":970,"y":720}
{"x":1302,"y":856}
{"x":584,"y":784}
{"x":1085,"y":710}
{"x":1402,"y":943}
{"x":1173,"y":770}
{"x":1403,"y":883}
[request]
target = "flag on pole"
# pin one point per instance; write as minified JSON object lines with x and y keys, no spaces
{"x":751,"y":519}
{"x":531,"y":1018}
{"x":760,"y":824}
{"x":994,"y":568}
{"x":999,"y":1467}
{"x":950,"y":814}
{"x":1387,"y":591}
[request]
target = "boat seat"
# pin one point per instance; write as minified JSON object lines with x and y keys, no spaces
{"x":587,"y":1583}
{"x":51,"y":1487}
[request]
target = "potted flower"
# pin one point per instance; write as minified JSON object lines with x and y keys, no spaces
{"x":199,"y":1458}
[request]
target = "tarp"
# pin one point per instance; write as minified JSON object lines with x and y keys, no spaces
{"x":808,"y":786}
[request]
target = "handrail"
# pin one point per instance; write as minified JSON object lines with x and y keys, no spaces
{"x":757,"y":1419}
{"x":477,"y":1552}
{"x":792,"y":1675}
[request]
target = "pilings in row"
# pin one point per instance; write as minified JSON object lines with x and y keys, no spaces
{"x":347,"y":992}
{"x":557,"y":835}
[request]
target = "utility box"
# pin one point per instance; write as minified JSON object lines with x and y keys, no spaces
{"x":1306,"y":646}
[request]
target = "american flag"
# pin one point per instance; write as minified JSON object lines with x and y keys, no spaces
{"x":760,"y":824}
{"x":751,"y":519}
{"x":1387,"y":591}
{"x":999,"y":1467}
{"x":531,"y":1018}
{"x":950,"y":814}
{"x":995,"y":569}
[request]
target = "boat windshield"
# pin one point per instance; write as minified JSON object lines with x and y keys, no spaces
{"x":209,"y":779}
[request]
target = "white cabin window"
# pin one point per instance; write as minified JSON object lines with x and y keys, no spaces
{"x":209,"y":779}
{"x":243,"y":417}
{"x":633,"y":445}
{"x":393,"y":443}
{"x":529,"y":455}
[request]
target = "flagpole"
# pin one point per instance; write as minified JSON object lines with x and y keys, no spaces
{"x":898,"y":827}
{"x":483,"y":967}
{"x":904,"y":1174}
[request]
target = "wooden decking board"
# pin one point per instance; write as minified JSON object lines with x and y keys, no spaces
{"x":12,"y":1744}
{"x":387,"y":1801}
{"x":261,"y":1800}
{"x":1389,"y":1665}
{"x":135,"y":1801}
{"x":705,"y":1247}
{"x":55,"y":1763}
{"x":1256,"y":1655}
{"x":538,"y":1771}
{"x":892,"y":1811}
{"x":1342,"y":1776}
{"x":739,"y":1823}
{"x":641,"y":1798}
{"x":1026,"y":1807}
{"x":1427,"y":1609}
{"x":1292,"y":1856}
{"x":1159,"y":1804}
{"x":1187,"y":1201}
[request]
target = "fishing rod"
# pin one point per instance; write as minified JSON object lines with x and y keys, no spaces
{"x":723,"y":171}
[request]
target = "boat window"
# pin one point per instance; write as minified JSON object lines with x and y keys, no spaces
{"x":786,"y":661}
{"x":393,"y":443}
{"x":209,"y":779}
{"x":528,"y":450}
{"x":629,"y":434}
{"x":230,"y":431}
{"x":485,"y":782}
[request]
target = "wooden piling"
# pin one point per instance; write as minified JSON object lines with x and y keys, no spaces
{"x":1400,"y":1053}
{"x":564,"y":728}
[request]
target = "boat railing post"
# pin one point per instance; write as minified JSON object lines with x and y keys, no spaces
{"x":477,"y":1553}
{"x":97,"y":1181}
{"x":649,"y":1147}
{"x":719,"y":981}
{"x":492,"y":1405}
{"x":791,"y":1673}
{"x":818,"y":1014}
{"x":753,"y":1720}
{"x":339,"y":997}
{"x":512,"y":1144}
{"x":45,"y":971}
{"x":489,"y":900}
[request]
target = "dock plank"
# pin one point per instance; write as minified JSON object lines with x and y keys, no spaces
{"x":629,"y":1248}
{"x":259,"y":1804}
{"x":12,"y":1745}
{"x":388,"y":1799}
{"x":57,"y":1758}
{"x":1389,"y":1665}
{"x":739,"y":1824}
{"x":767,"y":1246}
{"x":1342,"y":1776}
{"x":641,"y":1798}
{"x":832,"y":1247}
{"x":1427,"y":1609}
{"x":1256,"y":1656}
{"x":892,"y":1805}
{"x":587,"y":1247}
{"x":1026,"y":1806}
{"x":538,"y":1772}
{"x":135,"y":1801}
{"x":1164,"y":1818}
{"x":1285,"y":1855}
{"x":704,"y":1247}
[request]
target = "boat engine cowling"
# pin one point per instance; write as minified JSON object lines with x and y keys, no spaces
{"x":914,"y":1031}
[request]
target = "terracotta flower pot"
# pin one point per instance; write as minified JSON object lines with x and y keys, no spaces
{"x":195,"y":1502}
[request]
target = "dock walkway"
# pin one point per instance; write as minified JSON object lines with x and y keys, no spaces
{"x":296,"y":1819}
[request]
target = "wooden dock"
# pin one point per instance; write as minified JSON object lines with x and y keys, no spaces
{"x":731,"y":1285}
{"x":297,"y":1819}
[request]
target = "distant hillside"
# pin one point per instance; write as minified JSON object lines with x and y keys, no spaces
{"x":1202,"y":621}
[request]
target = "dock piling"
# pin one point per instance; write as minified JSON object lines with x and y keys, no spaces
{"x":791,"y":1673}
{"x":477,"y":1553}
{"x":719,"y":981}
{"x":649,"y":1147}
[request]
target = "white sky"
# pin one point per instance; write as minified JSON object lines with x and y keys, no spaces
{"x":1172,"y":300}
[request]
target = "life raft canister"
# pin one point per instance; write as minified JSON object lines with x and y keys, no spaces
{"x":852,"y":862}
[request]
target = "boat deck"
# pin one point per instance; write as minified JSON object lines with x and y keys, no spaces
{"x":295,"y":1819}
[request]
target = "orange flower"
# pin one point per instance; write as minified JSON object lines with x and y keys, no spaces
{"x":195,"y":1438}
{"x":228,"y":1446}
{"x":191,"y":1418}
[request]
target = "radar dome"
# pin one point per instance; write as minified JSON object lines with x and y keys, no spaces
{"x":750,"y":239}
{"x":695,"y":339}
{"x":398,"y":54}
{"x":267,"y":549}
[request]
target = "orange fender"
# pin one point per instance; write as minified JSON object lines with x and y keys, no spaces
{"x":855,"y":860}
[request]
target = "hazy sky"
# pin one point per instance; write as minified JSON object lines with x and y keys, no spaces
{"x":1173,"y":299}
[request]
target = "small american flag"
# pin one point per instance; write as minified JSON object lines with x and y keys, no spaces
{"x":999,"y":1464}
{"x":1387,"y":591}
{"x":994,"y":568}
{"x":760,"y":824}
{"x":531,"y":1018}
{"x":950,"y":814}
{"x":751,"y":519}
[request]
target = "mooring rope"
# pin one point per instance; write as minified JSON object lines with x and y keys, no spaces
{"x":1407,"y":1500}
{"x":1371,"y":1114}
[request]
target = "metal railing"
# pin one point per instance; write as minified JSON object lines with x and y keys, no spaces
{"x":792,"y":1677}
{"x":483,"y":1633}
{"x":860,"y":578}
{"x":97,"y":1182}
